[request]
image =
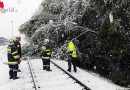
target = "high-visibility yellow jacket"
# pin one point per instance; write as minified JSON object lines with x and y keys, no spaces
{"x":71,"y":48}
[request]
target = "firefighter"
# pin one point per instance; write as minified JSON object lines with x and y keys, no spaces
{"x":13,"y":59}
{"x":46,"y":55}
{"x":18,"y":44}
{"x":71,"y":54}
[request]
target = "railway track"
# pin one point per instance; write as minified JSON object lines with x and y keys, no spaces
{"x":71,"y":76}
{"x":60,"y":80}
{"x":36,"y":87}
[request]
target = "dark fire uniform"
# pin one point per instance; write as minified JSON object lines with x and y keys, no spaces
{"x":13,"y":61}
{"x":19,"y":49}
{"x":46,"y":55}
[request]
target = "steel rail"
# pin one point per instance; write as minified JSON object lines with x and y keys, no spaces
{"x":77,"y":81}
{"x":33,"y":77}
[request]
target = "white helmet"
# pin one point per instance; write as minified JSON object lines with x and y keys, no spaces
{"x":46,"y":41}
{"x":43,"y":47}
{"x":18,"y":37}
{"x":14,"y":39}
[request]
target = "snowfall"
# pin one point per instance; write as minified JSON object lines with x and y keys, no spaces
{"x":54,"y":80}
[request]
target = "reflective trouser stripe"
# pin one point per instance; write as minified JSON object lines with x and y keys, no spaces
{"x":46,"y":65}
{"x":13,"y":69}
{"x":45,"y":57}
{"x":12,"y":63}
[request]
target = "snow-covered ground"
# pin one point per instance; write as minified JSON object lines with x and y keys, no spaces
{"x":5,"y":83}
{"x":54,"y":80}
{"x":92,"y":80}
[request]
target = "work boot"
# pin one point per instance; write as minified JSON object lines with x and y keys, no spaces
{"x":19,"y":70}
{"x":49,"y":70}
{"x":10,"y":77}
{"x":75,"y":71}
{"x":15,"y":78}
{"x":44,"y":68}
{"x":68,"y":70}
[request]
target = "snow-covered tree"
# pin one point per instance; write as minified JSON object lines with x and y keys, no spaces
{"x":100,"y":30}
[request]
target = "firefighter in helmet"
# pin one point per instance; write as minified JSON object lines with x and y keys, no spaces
{"x":13,"y":59}
{"x":46,"y":55}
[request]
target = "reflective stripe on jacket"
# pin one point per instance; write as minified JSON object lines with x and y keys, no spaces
{"x":71,"y":47}
{"x":12,"y":63}
{"x":13,"y":55}
{"x":46,"y":54}
{"x":45,"y":57}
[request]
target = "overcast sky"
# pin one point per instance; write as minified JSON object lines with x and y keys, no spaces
{"x":25,"y":9}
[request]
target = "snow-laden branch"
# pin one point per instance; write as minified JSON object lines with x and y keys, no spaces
{"x":83,"y":28}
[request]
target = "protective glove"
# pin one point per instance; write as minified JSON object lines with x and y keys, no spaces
{"x":69,"y":57}
{"x":19,"y":61}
